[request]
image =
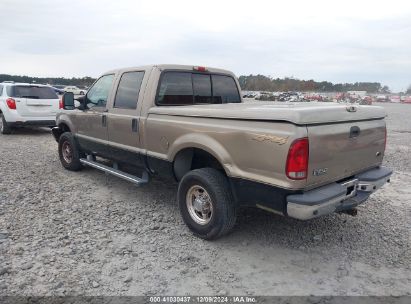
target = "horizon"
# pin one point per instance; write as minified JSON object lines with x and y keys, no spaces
{"x":317,"y":81}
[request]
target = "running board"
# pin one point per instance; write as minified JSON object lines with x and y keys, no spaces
{"x":114,"y":171}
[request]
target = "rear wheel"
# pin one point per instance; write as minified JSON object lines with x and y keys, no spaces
{"x":4,"y":127}
{"x":69,"y":152}
{"x":206,"y":203}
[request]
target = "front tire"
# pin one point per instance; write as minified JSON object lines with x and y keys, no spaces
{"x":4,"y":127}
{"x":206,"y":203}
{"x":69,"y":152}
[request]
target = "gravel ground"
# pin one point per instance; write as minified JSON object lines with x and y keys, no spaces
{"x":66,"y":233}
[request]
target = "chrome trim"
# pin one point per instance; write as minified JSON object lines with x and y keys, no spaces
{"x":351,"y":183}
{"x":306,"y":212}
{"x":373,"y":186}
{"x":131,"y":178}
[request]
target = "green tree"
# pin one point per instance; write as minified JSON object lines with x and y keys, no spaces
{"x":385,"y":89}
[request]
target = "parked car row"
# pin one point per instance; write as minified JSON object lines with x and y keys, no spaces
{"x":61,"y":89}
{"x":344,"y":97}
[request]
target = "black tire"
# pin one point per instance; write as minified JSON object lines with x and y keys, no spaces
{"x":216,"y":185}
{"x":4,"y":127}
{"x":69,"y":159}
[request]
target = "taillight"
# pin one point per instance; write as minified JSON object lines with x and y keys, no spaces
{"x":11,"y":103}
{"x":297,"y":160}
{"x":61,"y":104}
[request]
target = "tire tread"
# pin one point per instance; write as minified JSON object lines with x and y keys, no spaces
{"x":220,"y":185}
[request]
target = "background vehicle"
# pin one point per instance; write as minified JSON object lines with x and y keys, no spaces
{"x":382,"y":98}
{"x":187,"y":123}
{"x":26,"y":104}
{"x":75,"y":90}
{"x":407,"y":99}
{"x":366,"y":100}
{"x":58,"y":91}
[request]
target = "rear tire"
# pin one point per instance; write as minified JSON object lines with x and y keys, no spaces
{"x":206,"y":203}
{"x":4,"y":127}
{"x":69,"y":152}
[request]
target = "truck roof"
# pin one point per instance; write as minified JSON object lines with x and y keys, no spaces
{"x":170,"y":67}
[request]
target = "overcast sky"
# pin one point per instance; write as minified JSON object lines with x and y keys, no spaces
{"x":337,"y":41}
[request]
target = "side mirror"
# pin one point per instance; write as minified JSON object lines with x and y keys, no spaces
{"x":68,"y":101}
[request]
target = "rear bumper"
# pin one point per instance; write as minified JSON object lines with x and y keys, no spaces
{"x":47,"y":123}
{"x":337,"y":197}
{"x":13,"y":117}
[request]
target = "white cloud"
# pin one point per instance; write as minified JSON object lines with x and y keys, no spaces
{"x":342,"y":41}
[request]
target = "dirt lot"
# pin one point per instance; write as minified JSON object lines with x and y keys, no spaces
{"x":65,"y":233}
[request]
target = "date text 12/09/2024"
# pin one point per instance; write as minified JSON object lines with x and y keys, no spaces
{"x":203,"y":299}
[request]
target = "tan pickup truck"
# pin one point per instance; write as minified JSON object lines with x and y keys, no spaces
{"x":190,"y":123}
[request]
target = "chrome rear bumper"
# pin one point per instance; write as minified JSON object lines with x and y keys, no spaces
{"x":337,"y":196}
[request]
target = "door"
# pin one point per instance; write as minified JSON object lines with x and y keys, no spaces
{"x":92,"y":122}
{"x":123,"y":119}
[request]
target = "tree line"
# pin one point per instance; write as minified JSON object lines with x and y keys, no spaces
{"x":84,"y":81}
{"x":248,"y":83}
{"x":265,"y":83}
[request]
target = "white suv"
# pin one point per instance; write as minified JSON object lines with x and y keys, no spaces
{"x":27,"y":104}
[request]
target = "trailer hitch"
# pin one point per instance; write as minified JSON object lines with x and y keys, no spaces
{"x":352,"y":211}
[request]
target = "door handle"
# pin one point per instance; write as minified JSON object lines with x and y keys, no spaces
{"x":134,"y":125}
{"x":104,"y":120}
{"x":354,"y":131}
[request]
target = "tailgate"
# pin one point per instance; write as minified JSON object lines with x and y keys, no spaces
{"x":39,"y":107}
{"x":35,"y":101}
{"x":340,"y":150}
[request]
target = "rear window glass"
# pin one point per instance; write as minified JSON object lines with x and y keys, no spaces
{"x":224,"y":89}
{"x":128,"y":90}
{"x":202,"y":88}
{"x":185,"y":88}
{"x":33,"y":92}
{"x":176,"y":88}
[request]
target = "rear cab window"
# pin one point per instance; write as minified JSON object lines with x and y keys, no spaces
{"x":31,"y":92}
{"x":128,"y":90}
{"x":188,"y":88}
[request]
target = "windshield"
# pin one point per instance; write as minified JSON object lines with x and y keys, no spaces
{"x":33,"y":92}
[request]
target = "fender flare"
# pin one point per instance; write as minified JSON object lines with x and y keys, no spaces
{"x":205,"y":143}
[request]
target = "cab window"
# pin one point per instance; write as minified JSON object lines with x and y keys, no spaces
{"x":224,"y":89}
{"x":176,"y":88}
{"x":202,"y":88}
{"x":128,"y":90}
{"x":98,"y":94}
{"x":187,"y":88}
